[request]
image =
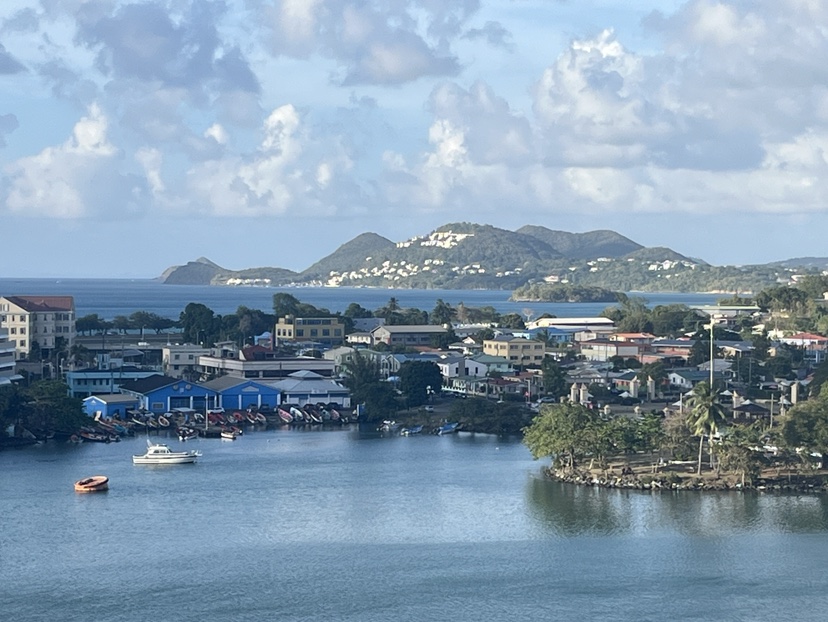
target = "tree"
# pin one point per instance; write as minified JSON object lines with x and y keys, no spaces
{"x":443,"y":313}
{"x":706,"y":415}
{"x":362,"y":377}
{"x":554,"y":378}
{"x":199,"y":323}
{"x":417,"y":378}
{"x":563,"y":431}
{"x":355,"y":310}
{"x":512,"y":320}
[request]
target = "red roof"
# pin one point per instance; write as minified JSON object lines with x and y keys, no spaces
{"x":807,"y":337}
{"x":43,"y":303}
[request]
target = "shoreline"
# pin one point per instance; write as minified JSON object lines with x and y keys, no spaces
{"x":708,"y":482}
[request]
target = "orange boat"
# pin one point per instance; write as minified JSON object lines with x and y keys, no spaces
{"x":96,"y":483}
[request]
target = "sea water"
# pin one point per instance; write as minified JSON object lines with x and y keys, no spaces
{"x":346,"y":524}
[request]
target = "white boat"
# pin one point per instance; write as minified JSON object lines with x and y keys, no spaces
{"x":158,"y":453}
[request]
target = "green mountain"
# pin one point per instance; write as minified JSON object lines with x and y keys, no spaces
{"x":202,"y":271}
{"x":471,"y":256}
{"x":359,"y":252}
{"x":589,"y":245}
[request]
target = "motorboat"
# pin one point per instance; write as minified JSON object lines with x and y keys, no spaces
{"x":228,"y":435}
{"x":158,"y":453}
{"x":96,"y":483}
{"x":448,"y":428}
{"x":416,"y":429}
{"x":187,"y":434}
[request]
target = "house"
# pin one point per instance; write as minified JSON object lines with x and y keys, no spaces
{"x":44,"y":320}
{"x":498,"y":364}
{"x":605,"y":349}
{"x":686,"y":379}
{"x":517,"y":350}
{"x":159,"y":394}
{"x":640,"y":338}
{"x":240,"y":394}
{"x":407,"y":335}
{"x":329,"y":331}
{"x":110,"y":405}
{"x":814,"y":345}
{"x":307,"y":387}
{"x":341,"y":357}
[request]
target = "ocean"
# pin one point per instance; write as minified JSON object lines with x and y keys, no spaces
{"x":111,"y":297}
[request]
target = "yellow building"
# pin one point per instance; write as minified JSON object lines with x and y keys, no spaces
{"x":327,"y":330}
{"x":517,"y":350}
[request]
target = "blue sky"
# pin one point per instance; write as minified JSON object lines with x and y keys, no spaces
{"x":138,"y":135}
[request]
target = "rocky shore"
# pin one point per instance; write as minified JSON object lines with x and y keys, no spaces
{"x":674,"y":482}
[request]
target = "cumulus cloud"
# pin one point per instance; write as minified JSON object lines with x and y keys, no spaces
{"x":76,"y":179}
{"x":732,"y":115}
{"x":372,"y":43}
{"x":144,"y":42}
{"x":292,"y":172}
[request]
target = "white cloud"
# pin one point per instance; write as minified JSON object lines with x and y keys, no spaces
{"x":74,"y":180}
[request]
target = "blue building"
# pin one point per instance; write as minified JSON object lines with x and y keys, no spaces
{"x":239,"y":394}
{"x":159,"y":394}
{"x":111,"y":405}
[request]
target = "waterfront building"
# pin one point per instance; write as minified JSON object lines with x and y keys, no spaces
{"x":110,"y":405}
{"x":307,"y":387}
{"x":86,"y":382}
{"x":44,"y":320}
{"x":240,"y":394}
{"x":605,"y":349}
{"x":160,"y":394}
{"x":261,"y":364}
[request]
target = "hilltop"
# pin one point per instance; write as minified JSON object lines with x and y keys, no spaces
{"x":473,"y":256}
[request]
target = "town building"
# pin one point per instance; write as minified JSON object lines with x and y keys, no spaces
{"x":307,"y":387}
{"x":517,"y":350}
{"x":407,"y":335}
{"x":86,"y":382}
{"x":241,"y":394}
{"x":111,"y":405}
{"x":181,"y":360}
{"x":48,"y":321}
{"x":7,"y":359}
{"x":159,"y":394}
{"x":329,"y":331}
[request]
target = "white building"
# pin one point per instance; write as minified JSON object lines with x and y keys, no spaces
{"x":7,"y":358}
{"x":41,"y":319}
{"x":181,"y":360}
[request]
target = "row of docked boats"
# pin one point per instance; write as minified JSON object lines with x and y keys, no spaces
{"x":393,"y":427}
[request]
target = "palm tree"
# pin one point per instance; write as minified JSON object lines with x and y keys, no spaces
{"x":705,"y":416}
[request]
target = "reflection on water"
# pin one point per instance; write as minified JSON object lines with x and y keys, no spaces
{"x":569,"y":510}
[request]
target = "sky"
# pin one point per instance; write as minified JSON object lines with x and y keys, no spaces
{"x":139,"y":135}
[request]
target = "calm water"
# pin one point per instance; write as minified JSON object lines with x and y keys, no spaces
{"x":295,"y":525}
{"x":111,"y":297}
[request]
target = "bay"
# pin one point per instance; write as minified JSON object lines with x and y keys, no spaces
{"x":286,"y":524}
{"x":111,"y":297}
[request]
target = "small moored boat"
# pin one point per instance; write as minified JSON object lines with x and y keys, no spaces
{"x":96,"y":483}
{"x":416,"y":429}
{"x":228,"y":435}
{"x":448,"y":428}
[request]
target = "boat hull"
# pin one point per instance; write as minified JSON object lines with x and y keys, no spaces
{"x":96,"y":483}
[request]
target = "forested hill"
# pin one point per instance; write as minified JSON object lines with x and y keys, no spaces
{"x":472,"y":256}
